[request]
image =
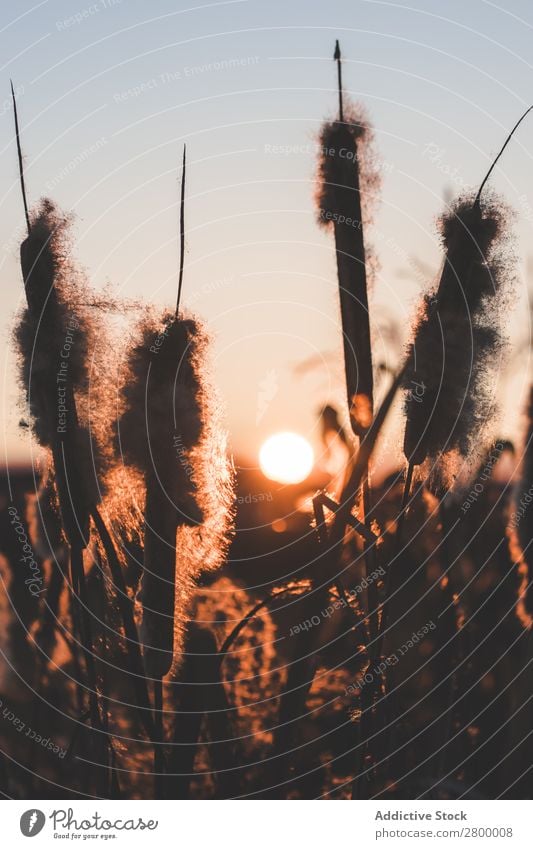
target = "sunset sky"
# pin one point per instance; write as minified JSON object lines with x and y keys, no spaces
{"x":108,"y":93}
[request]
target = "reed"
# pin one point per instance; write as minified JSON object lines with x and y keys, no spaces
{"x":161,"y":423}
{"x":451,"y":365}
{"x":56,"y":338}
{"x":458,"y":338}
{"x":169,"y":433}
{"x":344,"y":173}
{"x":347,"y":186}
{"x":452,"y":402}
{"x":53,"y":336}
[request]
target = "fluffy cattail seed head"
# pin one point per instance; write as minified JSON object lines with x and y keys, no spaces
{"x":345,"y":176}
{"x":457,"y":338}
{"x":54,"y":338}
{"x":167,"y":431}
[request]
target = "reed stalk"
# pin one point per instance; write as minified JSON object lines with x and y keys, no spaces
{"x":169,"y":434}
{"x":343,"y":144}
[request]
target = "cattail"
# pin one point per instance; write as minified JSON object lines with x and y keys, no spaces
{"x":56,"y":343}
{"x":166,"y":433}
{"x":447,"y":386}
{"x":457,"y":339}
{"x":53,"y":338}
{"x":343,"y":168}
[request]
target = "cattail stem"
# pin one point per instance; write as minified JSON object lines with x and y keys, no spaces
{"x":360,"y":467}
{"x":320,"y":520}
{"x":20,"y":159}
{"x":405,"y":500}
{"x":353,"y":521}
{"x":397,"y":545}
{"x":79,"y":602}
{"x":159,"y":759}
{"x":113,"y":785}
{"x":337,"y":57}
{"x":389,"y":721}
{"x":234,"y":633}
{"x":369,"y":692}
{"x":158,"y":585}
{"x":448,"y":625}
{"x":321,"y":501}
{"x":506,"y":142}
{"x":130,"y":629}
{"x":369,"y":552}
{"x":199,"y":694}
{"x":353,"y":296}
{"x":182,"y":230}
{"x":340,"y":208}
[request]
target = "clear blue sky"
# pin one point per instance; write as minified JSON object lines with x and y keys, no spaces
{"x":110,"y":90}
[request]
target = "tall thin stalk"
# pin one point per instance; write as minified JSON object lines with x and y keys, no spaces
{"x":131,"y":634}
{"x":337,"y":58}
{"x":182,"y":230}
{"x":20,"y":159}
{"x":340,"y":208}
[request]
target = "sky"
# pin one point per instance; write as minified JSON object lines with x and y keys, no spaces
{"x":109,"y":91}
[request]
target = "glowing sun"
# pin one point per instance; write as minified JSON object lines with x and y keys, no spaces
{"x":286,"y":457}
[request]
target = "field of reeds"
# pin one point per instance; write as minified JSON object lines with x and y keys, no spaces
{"x":389,"y":655}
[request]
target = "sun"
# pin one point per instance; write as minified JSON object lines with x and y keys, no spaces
{"x":286,"y":457}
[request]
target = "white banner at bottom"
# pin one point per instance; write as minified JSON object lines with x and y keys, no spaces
{"x":264,"y":824}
